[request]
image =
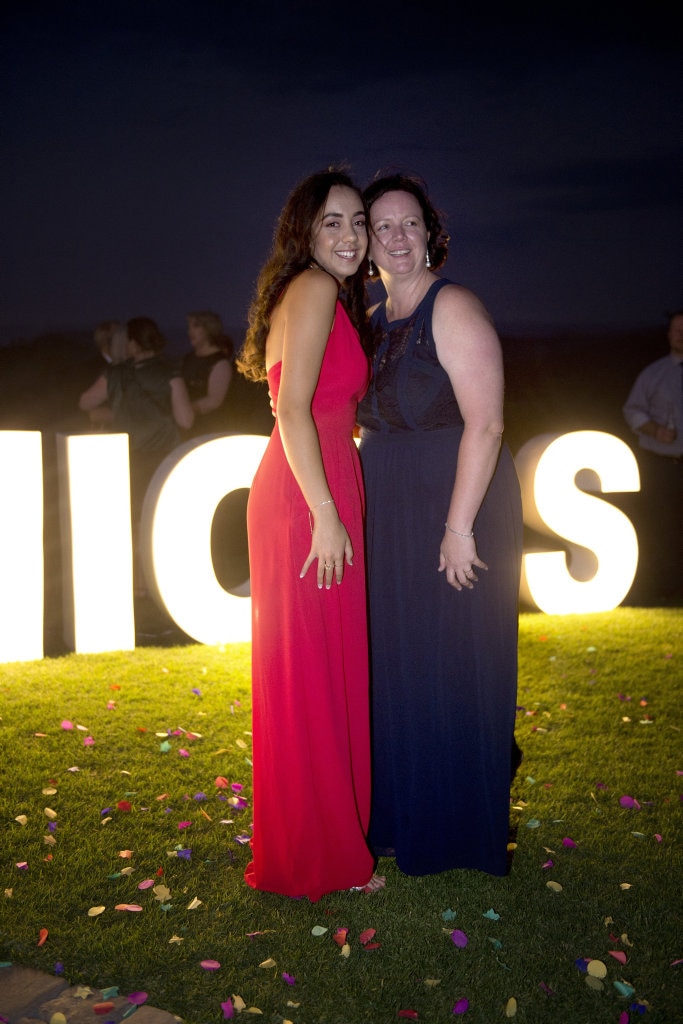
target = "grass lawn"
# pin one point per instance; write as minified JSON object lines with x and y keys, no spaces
{"x":109,"y":800}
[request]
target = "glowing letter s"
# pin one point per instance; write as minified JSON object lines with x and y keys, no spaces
{"x":555,"y":471}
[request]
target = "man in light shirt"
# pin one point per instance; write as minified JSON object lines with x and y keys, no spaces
{"x":654,"y":412}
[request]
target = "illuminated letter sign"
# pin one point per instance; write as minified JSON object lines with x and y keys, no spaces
{"x":21,"y":546}
{"x":555,"y":471}
{"x":96,"y":542}
{"x":176,"y":535}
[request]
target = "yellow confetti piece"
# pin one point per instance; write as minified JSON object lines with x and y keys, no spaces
{"x":96,"y":911}
{"x":9,"y":893}
{"x":597,"y":969}
{"x":241,"y":744}
{"x":625,"y":885}
{"x":176,"y":939}
{"x":254,"y":1009}
{"x":625,"y":939}
{"x":21,"y":818}
{"x":432,"y":982}
{"x":346,"y":950}
{"x":105,"y":821}
{"x":268,"y":963}
{"x":127,"y":871}
{"x":554,"y":886}
{"x":238,"y":1003}
{"x":49,"y":813}
{"x":57,"y":1018}
{"x":293,"y":1006}
{"x":161,"y":893}
{"x":48,"y":791}
{"x":193,"y":904}
{"x":49,"y":840}
{"x":511,"y":1007}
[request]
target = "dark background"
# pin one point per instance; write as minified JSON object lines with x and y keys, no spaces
{"x":148,"y":146}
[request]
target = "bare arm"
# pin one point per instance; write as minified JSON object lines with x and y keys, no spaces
{"x":95,"y":395}
{"x":301,"y":329}
{"x":216,"y":389}
{"x":468,"y":348}
{"x":183,"y":413}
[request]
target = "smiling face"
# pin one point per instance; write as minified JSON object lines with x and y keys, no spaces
{"x":339,"y":240}
{"x":398,"y":237}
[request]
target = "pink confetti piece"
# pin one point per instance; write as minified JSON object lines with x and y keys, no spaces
{"x":147,"y":884}
{"x":88,"y":741}
{"x":658,"y":837}
{"x":462,"y":1006}
{"x":459,"y":938}
{"x":365,"y":936}
{"x":675,"y":963}
{"x":623,"y":1017}
{"x":134,"y":908}
{"x":569,"y":842}
{"x":183,"y":752}
{"x":228,"y":1009}
{"x":184,"y":824}
{"x":67,"y":725}
{"x":408,"y":1014}
{"x":22,"y":865}
{"x":289,"y":978}
{"x":629,"y":801}
{"x":221,"y":782}
{"x":137,"y":998}
{"x":236,"y":787}
{"x":618,"y":955}
{"x":548,"y":864}
{"x":210,"y":965}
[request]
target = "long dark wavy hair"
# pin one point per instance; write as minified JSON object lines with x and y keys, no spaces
{"x":291,"y":253}
{"x":437,"y":244}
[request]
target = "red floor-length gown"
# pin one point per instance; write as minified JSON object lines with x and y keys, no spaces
{"x":310,"y":656}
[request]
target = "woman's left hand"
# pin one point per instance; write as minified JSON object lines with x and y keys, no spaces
{"x":459,"y":559}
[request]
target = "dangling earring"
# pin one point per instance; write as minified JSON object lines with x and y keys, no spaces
{"x":428,"y":262}
{"x":371,"y":269}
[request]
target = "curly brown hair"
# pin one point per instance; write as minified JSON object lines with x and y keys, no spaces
{"x":437,"y":244}
{"x":290,"y":255}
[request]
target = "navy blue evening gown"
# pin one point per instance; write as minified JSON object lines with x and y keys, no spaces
{"x":443,"y":662}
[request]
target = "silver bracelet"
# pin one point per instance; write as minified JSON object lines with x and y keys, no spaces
{"x":328,"y":501}
{"x":457,"y":532}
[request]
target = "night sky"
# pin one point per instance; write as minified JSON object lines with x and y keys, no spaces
{"x":148,"y":148}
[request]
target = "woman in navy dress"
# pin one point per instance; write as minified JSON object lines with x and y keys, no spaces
{"x":444,"y":535}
